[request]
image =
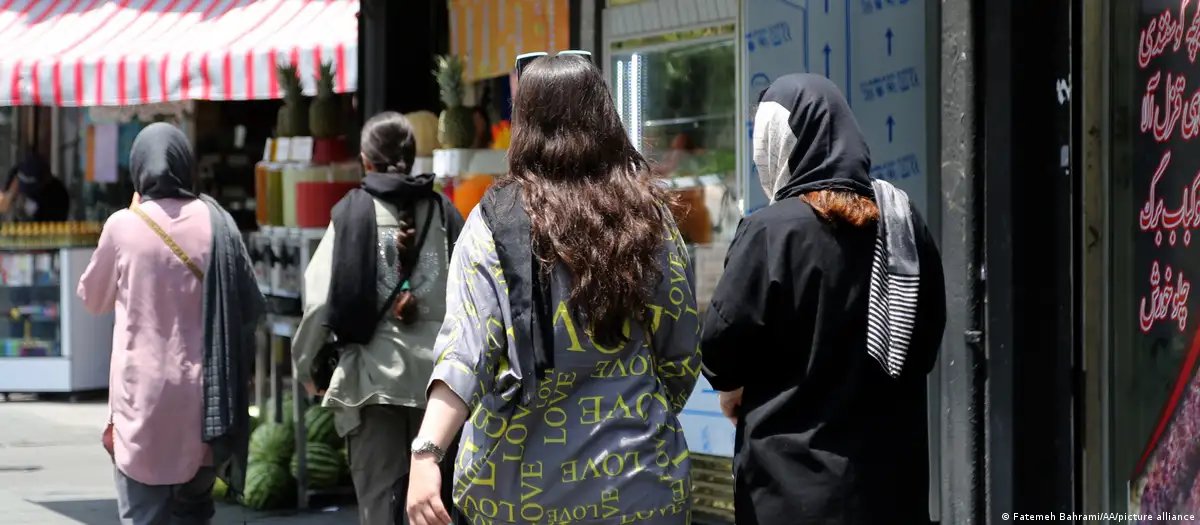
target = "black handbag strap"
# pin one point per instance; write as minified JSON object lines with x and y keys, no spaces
{"x":407,"y":267}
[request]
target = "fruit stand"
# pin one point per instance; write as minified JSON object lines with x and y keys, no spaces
{"x":51,"y":343}
{"x":295,"y":452}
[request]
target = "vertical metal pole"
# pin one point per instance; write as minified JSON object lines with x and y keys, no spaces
{"x":372,"y":22}
{"x":299,"y":404}
{"x":56,"y":141}
{"x":262,"y":361}
{"x":276,"y":381}
{"x":962,"y":361}
{"x":1095,"y":288}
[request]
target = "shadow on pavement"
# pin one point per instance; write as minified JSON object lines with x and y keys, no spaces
{"x":88,"y":512}
{"x":104,"y":512}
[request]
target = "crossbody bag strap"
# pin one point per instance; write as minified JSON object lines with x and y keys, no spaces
{"x":166,"y":239}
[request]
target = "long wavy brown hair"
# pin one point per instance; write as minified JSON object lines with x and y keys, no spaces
{"x":592,"y":201}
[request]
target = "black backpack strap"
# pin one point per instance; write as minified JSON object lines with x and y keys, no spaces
{"x":503,"y":210}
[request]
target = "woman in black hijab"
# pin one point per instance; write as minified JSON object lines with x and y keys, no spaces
{"x":824,"y":325}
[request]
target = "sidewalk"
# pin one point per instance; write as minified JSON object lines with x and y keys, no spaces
{"x":54,"y":472}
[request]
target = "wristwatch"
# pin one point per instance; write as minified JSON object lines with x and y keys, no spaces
{"x":425,"y":446}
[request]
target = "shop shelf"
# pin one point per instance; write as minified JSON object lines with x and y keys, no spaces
{"x":455,"y":162}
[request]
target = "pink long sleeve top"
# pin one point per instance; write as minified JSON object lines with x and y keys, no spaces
{"x":155,"y":376}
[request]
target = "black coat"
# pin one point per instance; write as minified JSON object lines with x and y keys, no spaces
{"x":825,"y":436}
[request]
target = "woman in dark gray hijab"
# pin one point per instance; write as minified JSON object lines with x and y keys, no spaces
{"x":162,"y":163}
{"x":175,"y":269}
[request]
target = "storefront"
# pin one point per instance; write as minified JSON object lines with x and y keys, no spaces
{"x":85,"y":77}
{"x":1152,"y":390}
{"x":1090,"y":359}
{"x":686,"y":76}
{"x":955,"y":98}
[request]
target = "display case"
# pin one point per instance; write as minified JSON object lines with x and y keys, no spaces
{"x":677,"y":95}
{"x":48,"y":342}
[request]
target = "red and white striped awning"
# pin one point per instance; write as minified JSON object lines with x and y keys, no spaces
{"x":121,"y":52}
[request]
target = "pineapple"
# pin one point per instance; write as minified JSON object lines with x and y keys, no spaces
{"x":456,"y":125}
{"x":293,"y":116}
{"x":323,"y":113}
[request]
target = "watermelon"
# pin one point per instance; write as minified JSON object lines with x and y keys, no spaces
{"x":272,"y":443}
{"x":267,"y":485}
{"x":324,"y":466}
{"x":318,"y":423}
{"x":220,"y":490}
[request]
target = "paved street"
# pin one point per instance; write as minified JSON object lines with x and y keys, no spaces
{"x":54,"y":472}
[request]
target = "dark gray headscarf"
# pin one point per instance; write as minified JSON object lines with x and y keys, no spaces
{"x":162,"y":163}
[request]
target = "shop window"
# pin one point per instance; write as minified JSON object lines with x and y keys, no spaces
{"x":679,"y":105}
{"x":1154,"y":412}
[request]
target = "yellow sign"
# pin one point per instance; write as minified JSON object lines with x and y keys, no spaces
{"x":491,"y":33}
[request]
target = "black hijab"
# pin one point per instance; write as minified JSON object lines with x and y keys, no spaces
{"x":37,"y":184}
{"x":161,"y":163}
{"x":30,"y":173}
{"x":353,"y":294}
{"x":805,"y":118}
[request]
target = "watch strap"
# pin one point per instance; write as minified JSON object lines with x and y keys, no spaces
{"x":425,"y":446}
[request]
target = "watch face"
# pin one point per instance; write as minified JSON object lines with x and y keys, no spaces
{"x":427,"y":447}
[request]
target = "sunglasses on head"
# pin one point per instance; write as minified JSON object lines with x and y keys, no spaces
{"x":524,"y":59}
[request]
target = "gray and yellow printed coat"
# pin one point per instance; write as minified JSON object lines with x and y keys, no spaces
{"x":601,"y":444}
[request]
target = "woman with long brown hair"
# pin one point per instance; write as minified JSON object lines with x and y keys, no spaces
{"x":570,"y":343}
{"x":824,"y":325}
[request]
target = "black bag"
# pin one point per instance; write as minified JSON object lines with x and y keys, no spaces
{"x":330,"y":353}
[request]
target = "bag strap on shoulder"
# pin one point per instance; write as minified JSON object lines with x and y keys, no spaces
{"x":166,"y":239}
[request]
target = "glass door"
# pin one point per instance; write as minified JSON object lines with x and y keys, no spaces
{"x":678,"y":100}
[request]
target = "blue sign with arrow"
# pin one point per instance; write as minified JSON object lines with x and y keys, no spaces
{"x":827,"y":51}
{"x":889,"y":40}
{"x":891,"y":124}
